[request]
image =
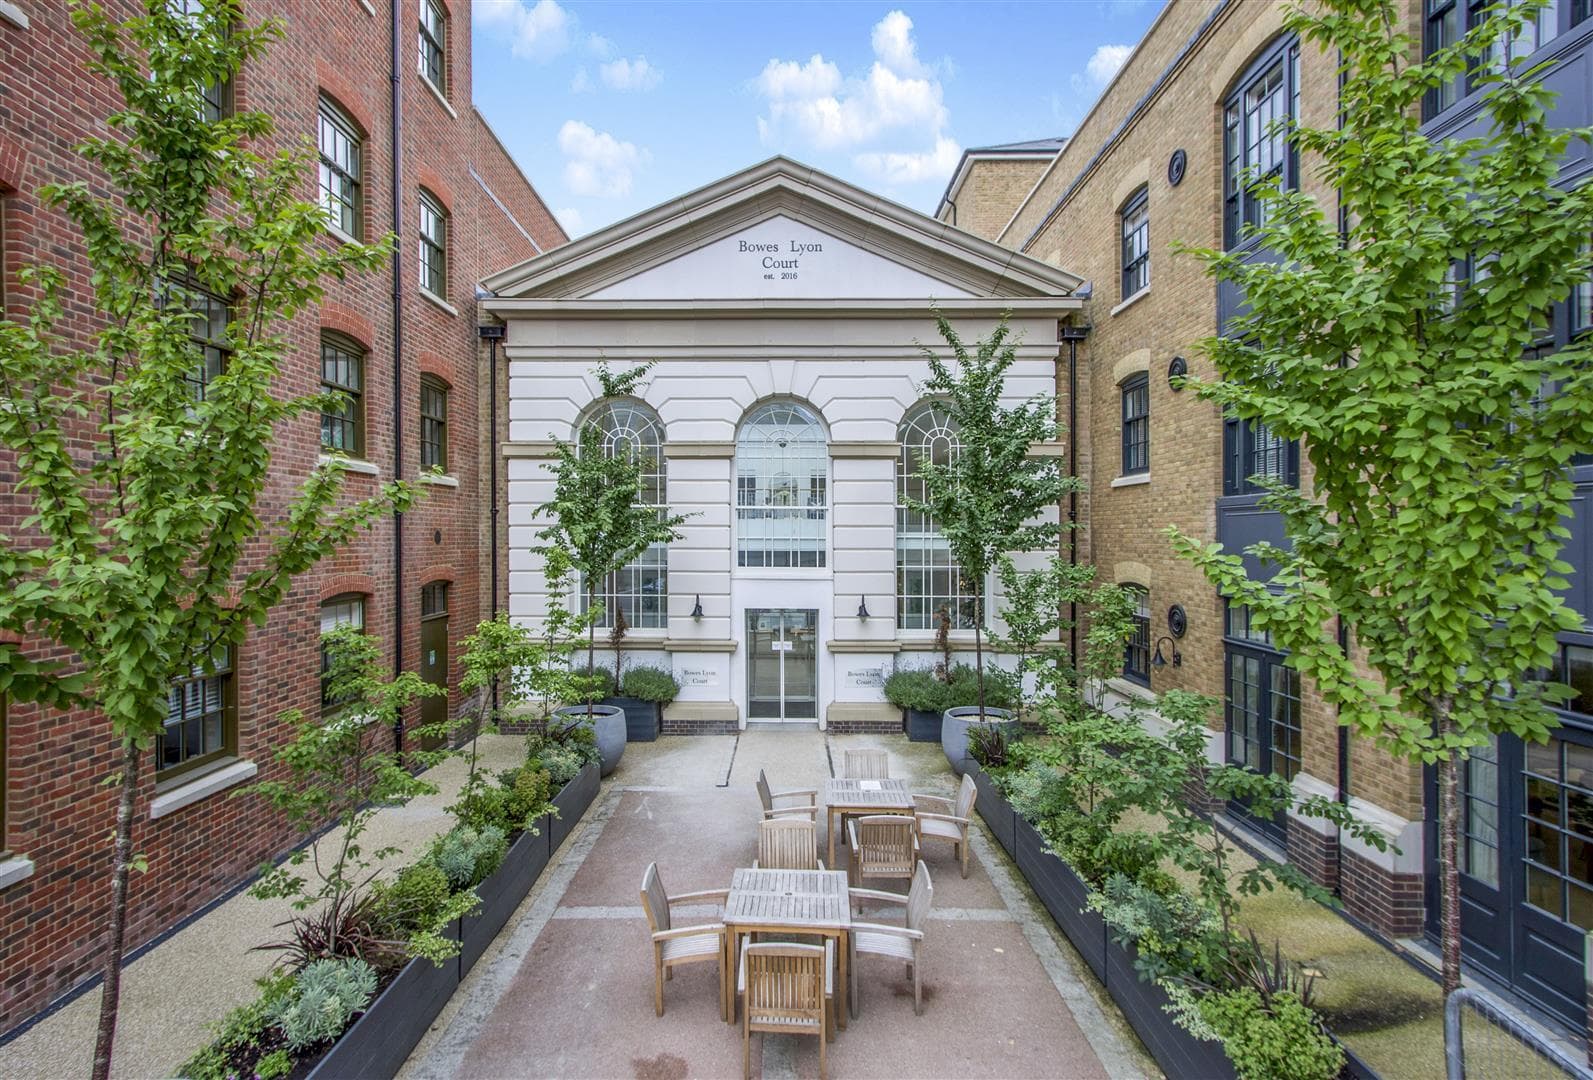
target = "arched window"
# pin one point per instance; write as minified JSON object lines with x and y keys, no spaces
{"x":1137,"y":649}
{"x":928,"y":579}
{"x":641,"y":589}
{"x":782,"y":487}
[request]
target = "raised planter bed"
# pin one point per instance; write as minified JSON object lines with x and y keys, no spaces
{"x":1143,"y":1003}
{"x":642,"y":718}
{"x":377,"y":1044}
{"x":995,"y":809}
{"x":921,"y":726}
{"x":1064,"y":895}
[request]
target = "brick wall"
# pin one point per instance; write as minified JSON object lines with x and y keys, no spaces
{"x":57,"y":814}
{"x":994,"y":188}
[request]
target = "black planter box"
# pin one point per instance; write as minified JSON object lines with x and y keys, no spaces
{"x":1064,"y":895}
{"x":922,"y":726}
{"x":1143,"y":1005}
{"x":572,"y":801}
{"x":642,"y":718}
{"x":376,"y":1045}
{"x":502,"y":892}
{"x":995,"y":809}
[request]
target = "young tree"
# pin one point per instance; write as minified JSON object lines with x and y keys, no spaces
{"x":600,"y":523}
{"x":991,"y":499}
{"x":145,"y":555}
{"x":1440,"y":440}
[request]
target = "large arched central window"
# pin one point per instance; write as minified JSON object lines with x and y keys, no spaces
{"x":928,"y":579}
{"x":641,"y":589}
{"x":782,"y":487}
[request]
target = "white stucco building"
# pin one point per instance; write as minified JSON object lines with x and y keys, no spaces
{"x":785,"y":311}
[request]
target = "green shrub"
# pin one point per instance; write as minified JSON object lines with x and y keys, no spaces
{"x":591,"y":685}
{"x":325,"y":998}
{"x":527,"y":791}
{"x":1001,"y":687}
{"x":918,"y":689}
{"x":1286,"y":1043}
{"x":466,"y":855}
{"x":244,"y":1035}
{"x":412,"y":901}
{"x":563,"y":751}
{"x":651,"y":684}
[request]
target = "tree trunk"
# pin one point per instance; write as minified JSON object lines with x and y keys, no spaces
{"x":591,"y":647}
{"x":1449,"y":858}
{"x":979,"y":655}
{"x":121,"y":863}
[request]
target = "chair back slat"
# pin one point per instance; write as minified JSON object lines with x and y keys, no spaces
{"x":764,"y":795}
{"x":789,"y":844}
{"x":655,"y":901}
{"x":966,"y":796}
{"x":885,"y":845}
{"x":785,"y":985}
{"x":920,"y":898}
{"x":866,"y":765}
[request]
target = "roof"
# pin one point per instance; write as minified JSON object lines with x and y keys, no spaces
{"x":1030,"y":150}
{"x":587,"y":272}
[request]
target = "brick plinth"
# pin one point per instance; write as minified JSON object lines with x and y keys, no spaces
{"x":1317,"y":854}
{"x":1388,"y":902}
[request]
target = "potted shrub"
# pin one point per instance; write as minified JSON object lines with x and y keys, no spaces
{"x":644,"y":691}
{"x":606,"y":722}
{"x":964,"y":712}
{"x":991,"y":498}
{"x":922,"y":697}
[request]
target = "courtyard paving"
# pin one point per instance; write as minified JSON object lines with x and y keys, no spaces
{"x":567,"y":991}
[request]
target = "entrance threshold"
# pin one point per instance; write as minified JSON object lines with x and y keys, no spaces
{"x":782,"y":725}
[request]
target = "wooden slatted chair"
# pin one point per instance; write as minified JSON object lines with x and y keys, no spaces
{"x":898,"y":942}
{"x":769,"y":798}
{"x":865,"y":765}
{"x":944,"y":819}
{"x":788,"y":844}
{"x":883,"y":846}
{"x":675,"y":945}
{"x":787,"y":989}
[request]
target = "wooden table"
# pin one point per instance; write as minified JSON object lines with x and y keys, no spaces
{"x":791,"y":902}
{"x":862,"y":797}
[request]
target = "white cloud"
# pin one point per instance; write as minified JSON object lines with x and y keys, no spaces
{"x":912,"y":168}
{"x":596,"y":163}
{"x":893,"y":118}
{"x":537,"y":32}
{"x":1103,"y":63}
{"x":599,"y":46}
{"x":573,"y":221}
{"x":623,"y":74}
{"x":581,"y":83}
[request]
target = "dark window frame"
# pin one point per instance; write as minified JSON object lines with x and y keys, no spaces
{"x":434,"y":600}
{"x":1136,"y":650}
{"x":1134,"y":229}
{"x":347,"y":354}
{"x":1445,"y":22}
{"x":1242,"y":141}
{"x":1244,"y":443}
{"x":330,"y":707}
{"x":340,"y":183}
{"x":207,"y":329}
{"x":433,"y":423}
{"x":433,"y":45}
{"x":165,"y":775}
{"x":1136,"y":424}
{"x":433,"y":268}
{"x":1252,"y":647}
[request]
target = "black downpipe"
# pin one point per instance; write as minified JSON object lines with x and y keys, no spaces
{"x":492,"y":335}
{"x":1341,"y":793}
{"x":396,"y":134}
{"x":1073,"y":335}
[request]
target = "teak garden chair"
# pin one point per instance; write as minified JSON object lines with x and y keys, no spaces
{"x":787,"y":844}
{"x":785,"y":989}
{"x":674,"y":945}
{"x":865,"y":765}
{"x":943,"y":819}
{"x":899,"y":942}
{"x":883,"y":846}
{"x":769,"y":798}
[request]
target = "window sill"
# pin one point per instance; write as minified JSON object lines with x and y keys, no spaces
{"x":439,"y":301}
{"x":201,"y":787}
{"x":1131,"y":300}
{"x":348,"y":464}
{"x":1131,"y":480}
{"x":369,"y":10}
{"x":1129,"y":689}
{"x":438,"y":94}
{"x":12,"y":868}
{"x":14,"y":15}
{"x":439,"y":479}
{"x":340,"y":235}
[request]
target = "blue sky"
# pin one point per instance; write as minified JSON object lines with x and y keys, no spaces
{"x":613,"y":107}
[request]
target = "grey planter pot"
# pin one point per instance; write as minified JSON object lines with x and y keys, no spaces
{"x":642,"y":718}
{"x":955,"y":724}
{"x":922,"y":726}
{"x":609,"y":723}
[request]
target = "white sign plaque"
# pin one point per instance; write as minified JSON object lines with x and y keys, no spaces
{"x":691,"y":676}
{"x":865,"y":678}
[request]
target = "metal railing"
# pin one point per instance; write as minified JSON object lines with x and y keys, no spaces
{"x":1484,"y":1042}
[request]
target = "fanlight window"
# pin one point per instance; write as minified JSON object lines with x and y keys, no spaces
{"x":782,"y":488}
{"x":640,"y":591}
{"x":928,"y":579}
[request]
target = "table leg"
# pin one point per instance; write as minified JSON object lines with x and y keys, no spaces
{"x":829,"y":827}
{"x":842,"y":1006}
{"x":734,"y":961}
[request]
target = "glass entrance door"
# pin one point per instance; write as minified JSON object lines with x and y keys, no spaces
{"x":782,"y":664}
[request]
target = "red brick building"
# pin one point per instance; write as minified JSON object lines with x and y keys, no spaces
{"x":406,"y":335}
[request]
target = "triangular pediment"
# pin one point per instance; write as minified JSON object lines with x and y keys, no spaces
{"x":780,"y":231}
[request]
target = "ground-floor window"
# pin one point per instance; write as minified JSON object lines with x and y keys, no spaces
{"x":639,"y":591}
{"x":1261,"y":708}
{"x":201,"y":717}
